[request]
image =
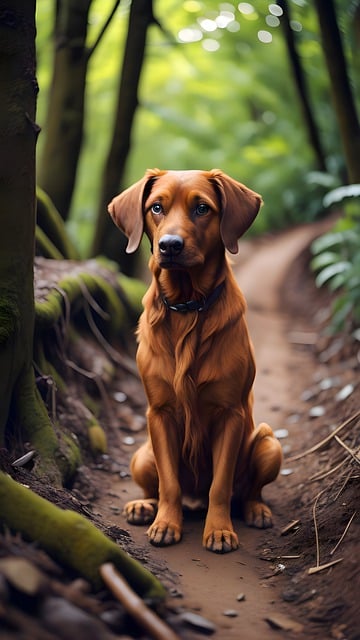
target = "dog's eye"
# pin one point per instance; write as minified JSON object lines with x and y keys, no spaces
{"x":156,"y":208}
{"x":202,"y":209}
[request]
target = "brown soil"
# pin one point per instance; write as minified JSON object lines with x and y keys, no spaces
{"x":263,"y":590}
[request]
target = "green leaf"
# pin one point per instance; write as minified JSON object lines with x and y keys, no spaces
{"x":323,"y":260}
{"x":331,"y":271}
{"x":339,"y":194}
{"x":326,"y":241}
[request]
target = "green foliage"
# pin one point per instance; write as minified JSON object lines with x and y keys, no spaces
{"x":337,"y":259}
{"x":216,"y":91}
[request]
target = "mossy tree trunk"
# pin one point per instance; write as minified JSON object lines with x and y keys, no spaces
{"x":343,"y":100}
{"x":20,"y":402}
{"x":105,"y":240}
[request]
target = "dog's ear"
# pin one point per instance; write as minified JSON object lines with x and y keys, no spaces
{"x":127,"y":209}
{"x":240,"y":206}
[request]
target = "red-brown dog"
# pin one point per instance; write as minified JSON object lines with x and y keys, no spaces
{"x":195,"y":358}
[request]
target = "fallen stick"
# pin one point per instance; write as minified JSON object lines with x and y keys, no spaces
{"x":321,"y":567}
{"x":135,"y":606}
{"x":326,"y":440}
{"x":344,"y":534}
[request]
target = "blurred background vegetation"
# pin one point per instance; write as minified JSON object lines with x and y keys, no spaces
{"x":245,"y":87}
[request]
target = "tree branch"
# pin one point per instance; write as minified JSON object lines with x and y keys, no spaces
{"x":91,"y":49}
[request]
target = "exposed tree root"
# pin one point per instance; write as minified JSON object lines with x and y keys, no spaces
{"x":70,"y":538}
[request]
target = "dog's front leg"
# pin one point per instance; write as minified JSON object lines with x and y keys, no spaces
{"x":219,"y":535}
{"x":167,"y":526}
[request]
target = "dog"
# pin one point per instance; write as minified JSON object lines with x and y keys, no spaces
{"x":195,"y":358}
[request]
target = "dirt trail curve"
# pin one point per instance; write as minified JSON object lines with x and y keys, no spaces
{"x":211,"y":584}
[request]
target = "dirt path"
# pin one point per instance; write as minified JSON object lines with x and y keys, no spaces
{"x":212,"y":585}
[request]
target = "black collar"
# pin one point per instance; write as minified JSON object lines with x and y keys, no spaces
{"x":195,"y":305}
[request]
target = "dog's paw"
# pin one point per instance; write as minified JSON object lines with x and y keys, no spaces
{"x":141,"y":511}
{"x":162,"y":533}
{"x":221,"y":541}
{"x":257,"y":514}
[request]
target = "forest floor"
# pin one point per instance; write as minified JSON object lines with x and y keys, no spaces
{"x":307,"y":387}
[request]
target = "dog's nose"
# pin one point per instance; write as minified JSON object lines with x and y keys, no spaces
{"x":171,"y":245}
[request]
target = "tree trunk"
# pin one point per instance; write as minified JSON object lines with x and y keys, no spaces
{"x":349,"y":126}
{"x":65,"y":115}
{"x":301,"y":86}
{"x":18,"y":134}
{"x":21,"y":406}
{"x":106,"y":241}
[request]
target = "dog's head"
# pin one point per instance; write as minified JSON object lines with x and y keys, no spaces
{"x":186,"y":214}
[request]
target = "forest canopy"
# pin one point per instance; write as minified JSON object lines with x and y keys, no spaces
{"x":216,"y":90}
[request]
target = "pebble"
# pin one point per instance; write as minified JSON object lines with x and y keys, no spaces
{"x":129,"y":440}
{"x":317,"y":411}
{"x":345,"y":392}
{"x":119,"y":396}
{"x":230,"y":613}
{"x":198,"y":622}
{"x":281,"y":433}
{"x":240,"y":597}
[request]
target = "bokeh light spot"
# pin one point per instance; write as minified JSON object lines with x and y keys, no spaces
{"x":246,"y":8}
{"x":275,"y":10}
{"x":190,"y":34}
{"x":272,"y":21}
{"x":209,"y":44}
{"x":264,"y":36}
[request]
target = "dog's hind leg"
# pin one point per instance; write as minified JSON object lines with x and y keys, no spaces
{"x":264,"y":463}
{"x":143,"y":470}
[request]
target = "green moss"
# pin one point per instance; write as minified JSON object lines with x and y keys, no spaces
{"x":68,"y":457}
{"x":70,"y":538}
{"x":134,"y":291}
{"x":36,"y":426}
{"x":45,"y":247}
{"x":112,"y":302}
{"x":51,"y":226}
{"x":49,"y":311}
{"x":9,"y":316}
{"x":45,"y":367}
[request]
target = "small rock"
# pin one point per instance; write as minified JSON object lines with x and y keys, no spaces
{"x":119,"y":396}
{"x":286,"y":472}
{"x":230,"y":613}
{"x":129,"y":440}
{"x":23,"y":575}
{"x":344,"y":393}
{"x":329,"y":383}
{"x":317,"y":411}
{"x":290,"y":595}
{"x":68,"y":621}
{"x":240,"y":597}
{"x":281,"y":433}
{"x":198,"y":622}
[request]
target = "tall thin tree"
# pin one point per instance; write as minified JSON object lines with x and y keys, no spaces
{"x":65,"y":113}
{"x":342,"y":96}
{"x":301,"y":86}
{"x":140,"y":18}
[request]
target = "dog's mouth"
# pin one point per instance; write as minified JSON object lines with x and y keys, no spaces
{"x":180,"y":263}
{"x":171,"y":264}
